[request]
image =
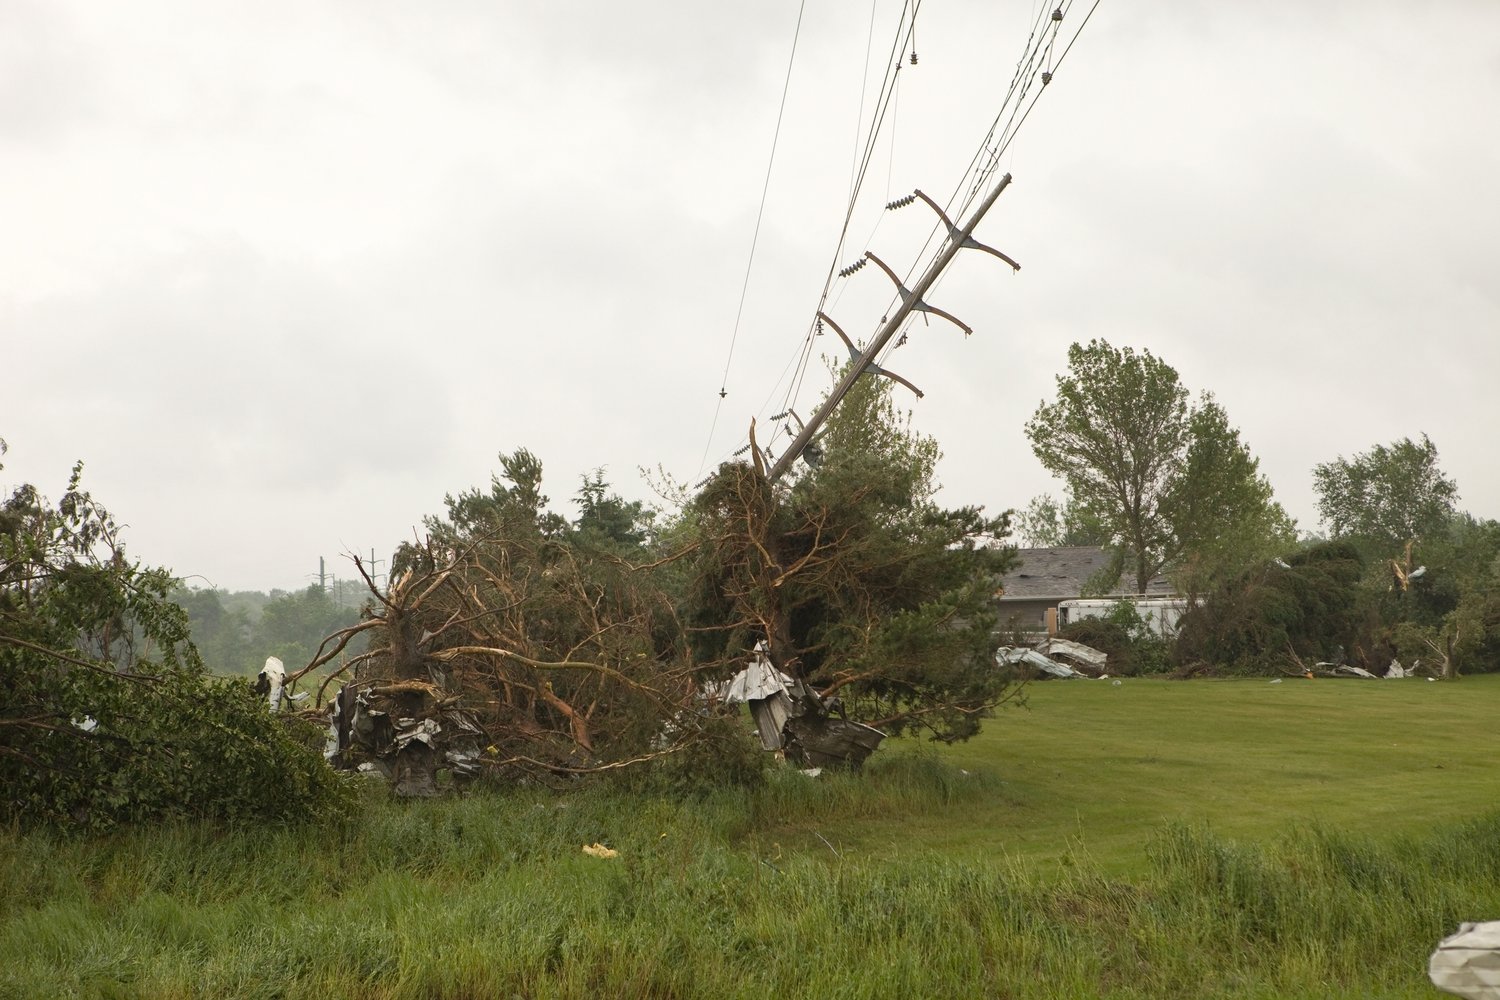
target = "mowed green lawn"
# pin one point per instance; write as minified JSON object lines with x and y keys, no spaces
{"x":1097,"y":768}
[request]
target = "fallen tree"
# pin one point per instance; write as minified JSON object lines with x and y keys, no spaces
{"x":504,"y":646}
{"x":862,"y":587}
{"x":107,"y":714}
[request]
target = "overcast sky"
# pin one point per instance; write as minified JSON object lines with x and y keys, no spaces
{"x":284,"y":274}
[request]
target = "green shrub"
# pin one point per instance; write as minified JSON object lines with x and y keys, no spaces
{"x":1133,"y":647}
{"x":107,"y":715}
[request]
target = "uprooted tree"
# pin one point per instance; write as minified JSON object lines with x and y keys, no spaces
{"x":514,"y":644}
{"x":859,"y":583}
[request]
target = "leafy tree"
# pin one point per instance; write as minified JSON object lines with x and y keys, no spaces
{"x":1134,"y":647}
{"x":1051,"y":523}
{"x":106,"y":712}
{"x":1397,"y":505}
{"x":1389,"y":495}
{"x":224,"y":636}
{"x":292,"y":626}
{"x":1224,"y":515}
{"x":520,"y":506}
{"x":1169,"y":483}
{"x":1449,"y":616}
{"x":859,"y":582}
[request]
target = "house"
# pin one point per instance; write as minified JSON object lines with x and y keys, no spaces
{"x":1043,"y":578}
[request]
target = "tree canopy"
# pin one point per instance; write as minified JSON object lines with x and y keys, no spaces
{"x":1049,"y":523}
{"x":1390,"y":494}
{"x":1169,"y":483}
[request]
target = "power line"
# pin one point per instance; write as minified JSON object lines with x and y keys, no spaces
{"x":1036,"y":62}
{"x":755,"y":238}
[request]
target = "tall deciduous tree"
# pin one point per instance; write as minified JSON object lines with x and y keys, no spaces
{"x":1171,"y":483}
{"x":1389,"y":494}
{"x":1224,"y":516}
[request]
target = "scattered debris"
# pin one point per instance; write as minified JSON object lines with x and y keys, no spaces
{"x":597,"y":850}
{"x":1044,"y":666}
{"x":1086,"y":658}
{"x":1467,"y":963}
{"x":406,"y":730}
{"x":1050,"y":658}
{"x":790,"y":716}
{"x":1396,"y":670}
{"x":818,"y":740}
{"x":763,"y":689}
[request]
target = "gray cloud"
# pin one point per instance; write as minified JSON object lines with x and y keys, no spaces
{"x":285,"y":275}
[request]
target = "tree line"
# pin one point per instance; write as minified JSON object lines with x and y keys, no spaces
{"x":1166,"y":485}
{"x":517,"y":643}
{"x":546,"y":648}
{"x":234,"y":632}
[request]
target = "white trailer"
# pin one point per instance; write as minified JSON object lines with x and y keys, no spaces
{"x":1161,"y":614}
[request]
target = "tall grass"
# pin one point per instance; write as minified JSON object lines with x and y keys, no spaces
{"x":492,"y":897}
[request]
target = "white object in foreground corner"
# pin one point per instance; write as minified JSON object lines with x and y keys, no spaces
{"x":1467,"y":964}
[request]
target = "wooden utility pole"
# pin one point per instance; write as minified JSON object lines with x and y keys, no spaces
{"x":956,"y":242}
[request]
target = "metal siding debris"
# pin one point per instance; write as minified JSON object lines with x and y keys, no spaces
{"x":1467,"y":963}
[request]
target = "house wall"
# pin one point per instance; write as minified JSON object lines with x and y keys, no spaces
{"x":1025,"y":614}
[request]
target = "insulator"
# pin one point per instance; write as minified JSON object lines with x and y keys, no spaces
{"x":723,"y":393}
{"x":913,"y":57}
{"x":780,"y":416}
{"x":852,"y":268}
{"x":1046,"y":78}
{"x":900,"y":203}
{"x":742,"y":451}
{"x":1057,"y":14}
{"x":818,"y":328}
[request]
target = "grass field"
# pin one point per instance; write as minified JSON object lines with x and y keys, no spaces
{"x":1152,"y":839}
{"x":1094,"y":767}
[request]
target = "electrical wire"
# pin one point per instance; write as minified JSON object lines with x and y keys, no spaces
{"x":755,"y":238}
{"x":904,"y":31}
{"x":1037,"y":58}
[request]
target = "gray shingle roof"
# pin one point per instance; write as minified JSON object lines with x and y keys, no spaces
{"x":1062,"y":572}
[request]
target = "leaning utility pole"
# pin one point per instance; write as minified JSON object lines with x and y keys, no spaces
{"x":911,"y":301}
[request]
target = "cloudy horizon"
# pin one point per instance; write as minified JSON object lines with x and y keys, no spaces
{"x":283,"y":277}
